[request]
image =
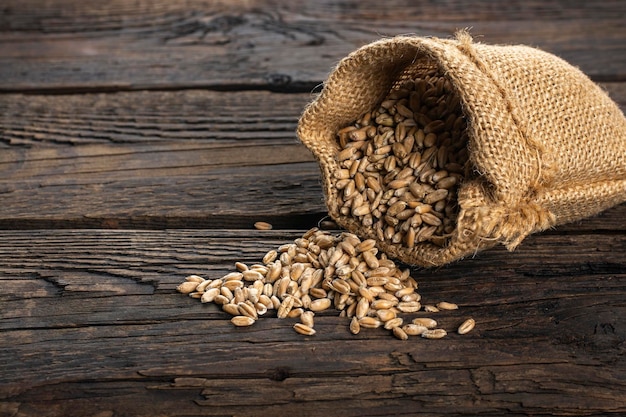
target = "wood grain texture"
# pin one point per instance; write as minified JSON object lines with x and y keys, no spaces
{"x":91,"y":318}
{"x":142,"y":117}
{"x":139,"y":142}
{"x":157,"y":187}
{"x":156,"y":117}
{"x":95,"y":46}
{"x":184,"y":159}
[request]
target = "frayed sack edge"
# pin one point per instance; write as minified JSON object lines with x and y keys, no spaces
{"x":493,"y":209}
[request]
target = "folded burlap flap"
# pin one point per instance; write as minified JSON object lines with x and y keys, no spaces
{"x":547,"y":145}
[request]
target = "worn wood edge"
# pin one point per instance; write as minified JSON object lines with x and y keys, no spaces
{"x":485,"y":390}
{"x":417,"y":393}
{"x":55,"y":17}
{"x":241,"y":49}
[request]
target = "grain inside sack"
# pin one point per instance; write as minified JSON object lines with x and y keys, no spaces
{"x":439,"y":148}
{"x":400,"y":164}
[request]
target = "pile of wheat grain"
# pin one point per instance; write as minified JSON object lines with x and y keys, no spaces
{"x":321,"y":271}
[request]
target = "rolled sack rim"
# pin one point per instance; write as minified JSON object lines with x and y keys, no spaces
{"x":458,"y":61}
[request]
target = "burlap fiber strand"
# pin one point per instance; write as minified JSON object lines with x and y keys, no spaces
{"x":548,"y":146}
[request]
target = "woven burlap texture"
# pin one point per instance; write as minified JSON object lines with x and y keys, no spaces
{"x":547,"y":145}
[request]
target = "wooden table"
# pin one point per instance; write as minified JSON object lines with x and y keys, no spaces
{"x":142,"y":139}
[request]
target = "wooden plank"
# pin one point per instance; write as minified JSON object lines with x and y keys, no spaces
{"x":187,"y":159}
{"x":91,"y":320}
{"x":173,"y":186}
{"x":148,"y":117}
{"x":151,"y":117}
{"x":165,"y":159}
{"x":72,"y":16}
{"x":287,"y":195}
{"x":74,"y":46}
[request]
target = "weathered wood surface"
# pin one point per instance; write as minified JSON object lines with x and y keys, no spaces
{"x":122,"y":45}
{"x":115,"y":158}
{"x":90,"y":321}
{"x":139,"y":141}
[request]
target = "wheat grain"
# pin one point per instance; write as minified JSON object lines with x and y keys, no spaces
{"x":434,"y":334}
{"x":444,"y":305}
{"x":304,"y":329}
{"x":414,"y":146}
{"x":466,"y":326}
{"x":262,"y":226}
{"x":241,"y":321}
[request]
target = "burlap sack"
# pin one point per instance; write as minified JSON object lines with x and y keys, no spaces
{"x":548,"y":144}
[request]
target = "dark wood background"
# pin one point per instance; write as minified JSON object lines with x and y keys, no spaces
{"x":139,"y":142}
